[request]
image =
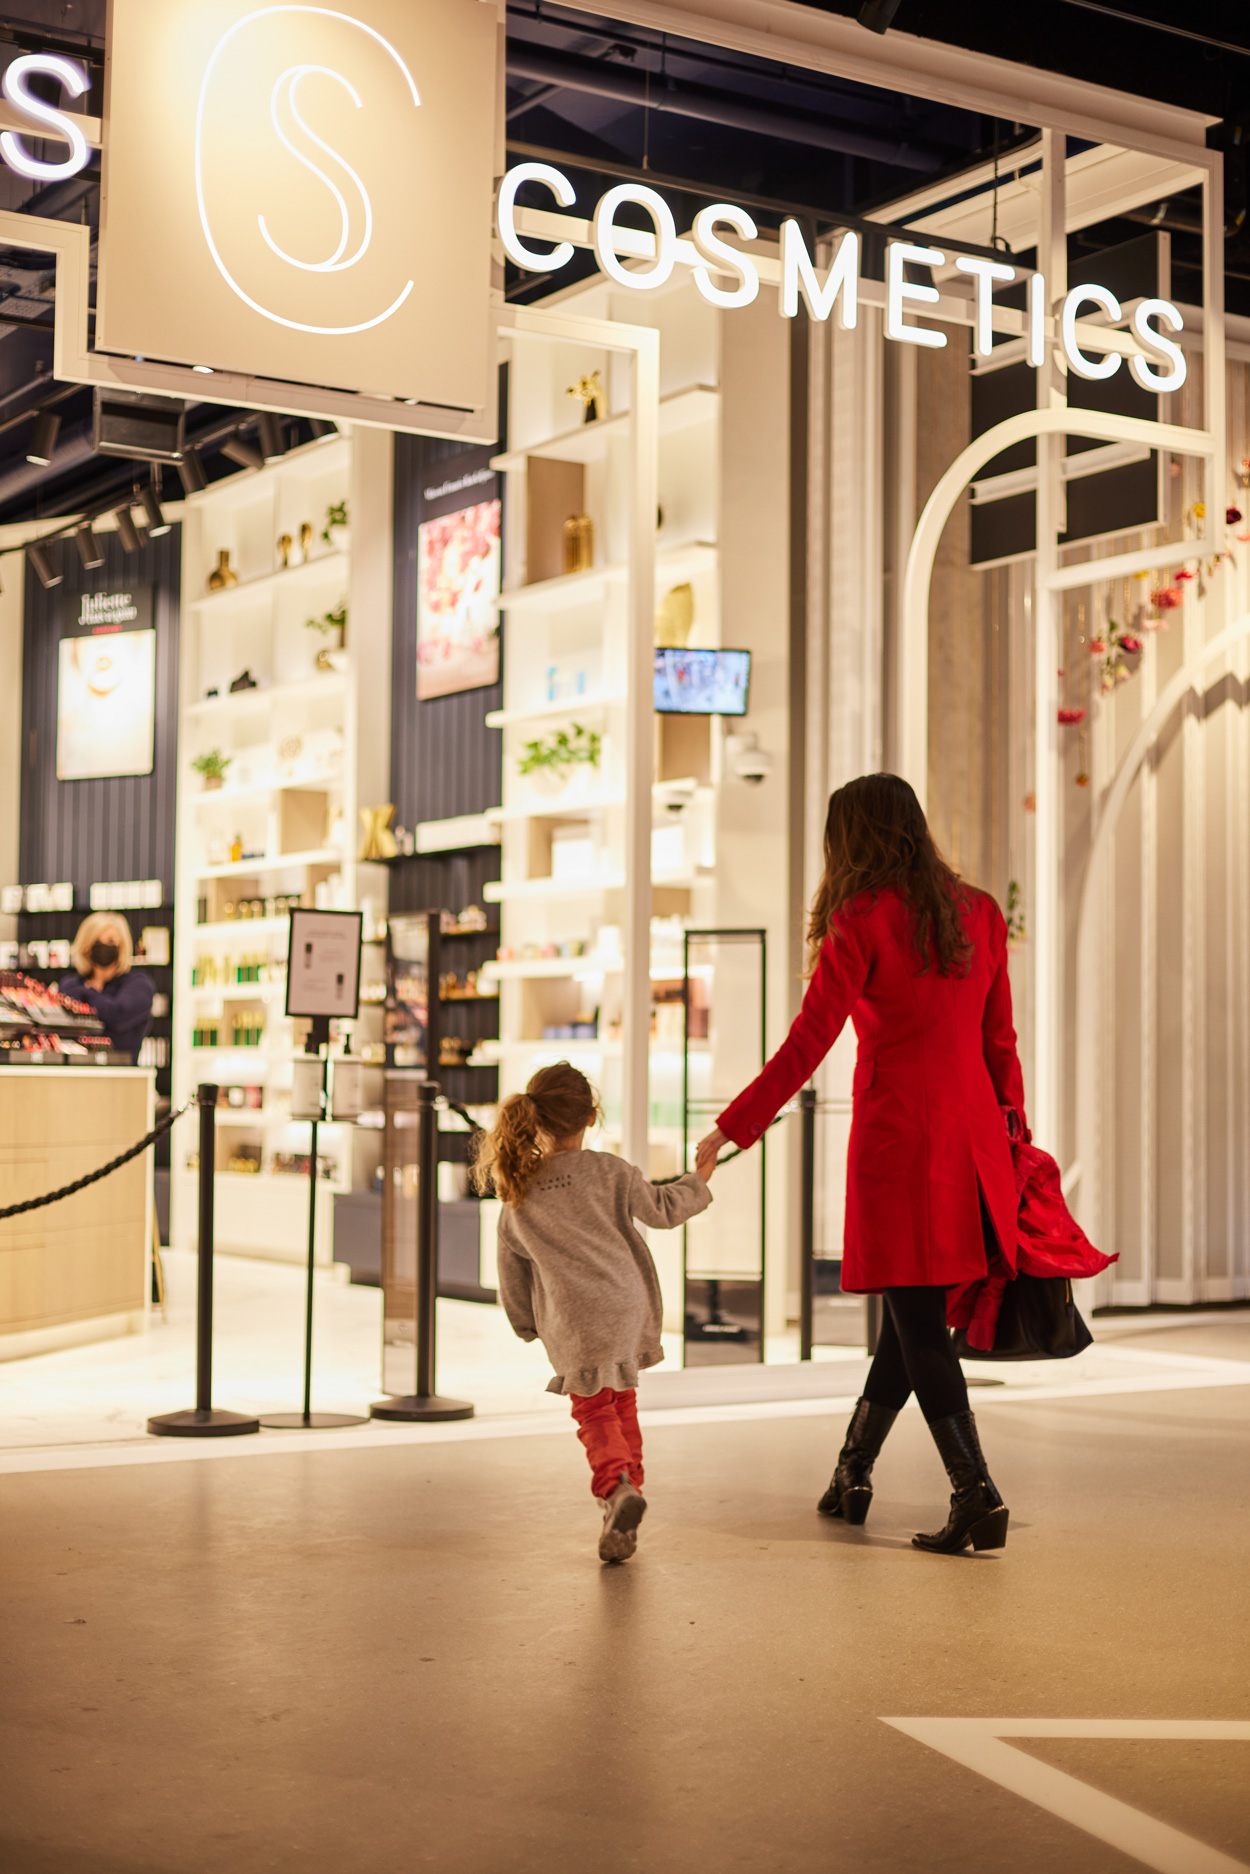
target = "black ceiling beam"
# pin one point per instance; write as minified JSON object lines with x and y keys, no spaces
{"x":643,"y":91}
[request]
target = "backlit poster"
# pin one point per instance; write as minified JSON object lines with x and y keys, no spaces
{"x":458,"y":568}
{"x":106,"y":705}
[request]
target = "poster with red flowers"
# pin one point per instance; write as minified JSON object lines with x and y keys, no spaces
{"x":458,"y":569}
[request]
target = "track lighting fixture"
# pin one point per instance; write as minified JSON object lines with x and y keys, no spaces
{"x":43,"y":442}
{"x":41,"y":560}
{"x":90,"y":552}
{"x":191,"y":471}
{"x":127,"y":532}
{"x":242,"y":452}
{"x":878,"y":15}
{"x":320,"y":427}
{"x":149,"y":501}
{"x":272,"y":439}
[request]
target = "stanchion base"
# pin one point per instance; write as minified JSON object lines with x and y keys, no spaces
{"x":194,"y":1423}
{"x":431,"y":1406}
{"x":314,"y":1421}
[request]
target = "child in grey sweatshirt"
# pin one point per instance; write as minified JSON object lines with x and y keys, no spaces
{"x":575,"y":1273}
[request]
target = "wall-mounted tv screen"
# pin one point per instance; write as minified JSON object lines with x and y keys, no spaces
{"x":702,"y":683}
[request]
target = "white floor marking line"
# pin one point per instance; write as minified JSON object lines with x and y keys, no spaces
{"x":977,"y":1743}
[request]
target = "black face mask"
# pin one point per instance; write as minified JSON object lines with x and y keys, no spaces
{"x":103,"y":954}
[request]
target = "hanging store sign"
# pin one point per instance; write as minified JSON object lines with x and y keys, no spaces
{"x":303,"y":193}
{"x":1156,"y":362}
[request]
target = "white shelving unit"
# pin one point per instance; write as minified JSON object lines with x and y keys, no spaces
{"x":563,"y":851}
{"x":303,"y":754}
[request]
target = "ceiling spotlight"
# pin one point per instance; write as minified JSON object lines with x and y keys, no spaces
{"x":42,"y":563}
{"x":320,"y":427}
{"x":191,"y":471}
{"x":127,"y":532}
{"x":878,"y":15}
{"x":242,"y":452}
{"x":272,"y":440}
{"x":90,"y":552}
{"x":149,"y":501}
{"x":43,"y":442}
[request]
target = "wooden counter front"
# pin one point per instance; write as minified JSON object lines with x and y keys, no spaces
{"x":76,"y":1270}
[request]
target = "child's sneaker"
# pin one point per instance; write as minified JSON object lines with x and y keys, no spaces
{"x":622,"y":1513}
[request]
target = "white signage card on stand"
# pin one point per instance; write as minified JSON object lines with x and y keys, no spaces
{"x":323,"y":964}
{"x":302,"y":192}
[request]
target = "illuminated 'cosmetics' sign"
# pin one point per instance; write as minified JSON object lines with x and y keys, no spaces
{"x":45,"y":119}
{"x":839,"y":288}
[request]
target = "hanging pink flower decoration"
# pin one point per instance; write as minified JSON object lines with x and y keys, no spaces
{"x":1131,"y":644}
{"x":1232,"y":516}
{"x":1069,"y":716}
{"x":1186,"y":572}
{"x":1167,"y":598}
{"x":1098,"y":647}
{"x":1082,"y":779}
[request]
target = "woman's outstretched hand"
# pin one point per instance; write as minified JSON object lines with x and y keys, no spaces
{"x":707,"y":1151}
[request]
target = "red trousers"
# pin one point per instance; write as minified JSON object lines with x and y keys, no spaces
{"x":607,"y":1425}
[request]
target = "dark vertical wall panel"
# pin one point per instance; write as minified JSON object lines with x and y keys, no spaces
{"x":444,"y":760}
{"x":121,"y":828}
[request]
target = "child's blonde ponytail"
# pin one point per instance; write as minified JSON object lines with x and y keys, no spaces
{"x":558,"y":1103}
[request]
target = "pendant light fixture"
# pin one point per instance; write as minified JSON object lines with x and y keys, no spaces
{"x":244,"y":453}
{"x":90,"y":552}
{"x":43,"y":442}
{"x":272,"y":437}
{"x":149,"y":501}
{"x":39,"y":557}
{"x":127,"y":532}
{"x":191,"y":471}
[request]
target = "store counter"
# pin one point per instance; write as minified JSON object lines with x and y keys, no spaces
{"x":76,"y":1270}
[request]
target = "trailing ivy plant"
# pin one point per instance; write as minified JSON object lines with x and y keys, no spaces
{"x":562,"y":752}
{"x":331,"y":621}
{"x":336,"y":516}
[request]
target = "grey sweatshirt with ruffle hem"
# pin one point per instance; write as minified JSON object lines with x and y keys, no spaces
{"x":575,"y":1274}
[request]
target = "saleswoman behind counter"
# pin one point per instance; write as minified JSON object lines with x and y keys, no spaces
{"x":103,"y":952}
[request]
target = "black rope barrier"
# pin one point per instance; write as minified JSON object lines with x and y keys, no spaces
{"x":161,"y":1127}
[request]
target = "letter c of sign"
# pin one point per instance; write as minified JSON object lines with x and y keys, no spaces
{"x":286,"y":87}
{"x":513,"y":246}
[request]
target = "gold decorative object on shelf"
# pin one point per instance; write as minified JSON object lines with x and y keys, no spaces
{"x":378,"y":841}
{"x":593,"y":396}
{"x":579,"y":543}
{"x":305,"y":540}
{"x":223,"y":574}
{"x":285,"y":543}
{"x":674,"y":618}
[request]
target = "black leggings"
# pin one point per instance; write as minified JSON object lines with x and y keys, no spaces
{"x":914,"y":1354}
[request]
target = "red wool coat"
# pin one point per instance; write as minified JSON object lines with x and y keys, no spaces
{"x":937,"y":1063}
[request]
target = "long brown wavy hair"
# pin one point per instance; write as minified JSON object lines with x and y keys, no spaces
{"x":558,"y":1102}
{"x":876,"y":836}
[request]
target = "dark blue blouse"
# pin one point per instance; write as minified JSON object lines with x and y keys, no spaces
{"x":124,"y":1005}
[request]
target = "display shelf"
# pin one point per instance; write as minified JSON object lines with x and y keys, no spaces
{"x":588,"y":442}
{"x":284,"y":579}
{"x":682,"y":560}
{"x":265,"y":695}
{"x":500,"y":891}
{"x":280,"y":862}
{"x":554,"y":712}
{"x":255,"y":926}
{"x":241,"y":796}
{"x":540,"y":969}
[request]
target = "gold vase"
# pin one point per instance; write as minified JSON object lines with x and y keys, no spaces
{"x":223,"y":574}
{"x":579,"y":543}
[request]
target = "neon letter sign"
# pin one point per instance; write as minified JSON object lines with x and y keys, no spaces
{"x":55,"y":123}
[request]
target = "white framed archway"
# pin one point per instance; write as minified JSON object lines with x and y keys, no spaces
{"x":913,"y":676}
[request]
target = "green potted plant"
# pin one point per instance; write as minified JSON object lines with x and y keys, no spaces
{"x":335,"y":620}
{"x":212,"y":765}
{"x":335,"y":533}
{"x":550,"y":760}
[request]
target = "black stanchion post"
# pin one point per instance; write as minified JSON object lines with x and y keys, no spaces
{"x":308,"y":1420}
{"x":202,"y":1421}
{"x":426,"y":1403}
{"x":807,"y":1219}
{"x":873,"y":1312}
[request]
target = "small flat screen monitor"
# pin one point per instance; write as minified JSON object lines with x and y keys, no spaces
{"x":702,"y":683}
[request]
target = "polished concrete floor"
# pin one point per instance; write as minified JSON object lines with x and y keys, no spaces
{"x":386,"y":1657}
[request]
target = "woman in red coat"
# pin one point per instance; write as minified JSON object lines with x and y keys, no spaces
{"x":918,"y":961}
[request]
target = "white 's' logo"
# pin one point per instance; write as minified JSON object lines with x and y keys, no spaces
{"x":282,"y":207}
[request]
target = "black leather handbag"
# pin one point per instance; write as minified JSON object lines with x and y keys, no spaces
{"x":1038,"y":1320}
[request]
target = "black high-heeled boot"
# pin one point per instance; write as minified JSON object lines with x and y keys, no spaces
{"x":850,"y":1492}
{"x":978,"y":1514}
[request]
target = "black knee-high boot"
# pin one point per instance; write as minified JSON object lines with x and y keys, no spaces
{"x":850,"y":1491}
{"x":978,"y":1514}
